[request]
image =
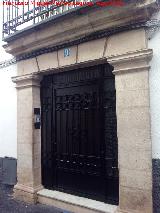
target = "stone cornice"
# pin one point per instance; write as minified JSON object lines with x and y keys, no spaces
{"x":131,"y":61}
{"x":131,"y":56}
{"x":27,"y":188}
{"x":132,"y":69}
{"x":27,"y":81}
{"x":81,"y":28}
{"x":98,"y":35}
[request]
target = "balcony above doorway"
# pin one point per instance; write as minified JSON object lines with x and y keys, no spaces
{"x":37,"y":30}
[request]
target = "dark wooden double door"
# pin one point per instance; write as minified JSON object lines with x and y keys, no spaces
{"x":79,"y":133}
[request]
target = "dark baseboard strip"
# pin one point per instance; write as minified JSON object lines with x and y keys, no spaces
{"x":156,"y":185}
{"x":8,"y":170}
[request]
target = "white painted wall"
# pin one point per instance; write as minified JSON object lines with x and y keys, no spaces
{"x":154,"y":79}
{"x":8,"y":145}
{"x":8,"y":142}
{"x":8,"y":129}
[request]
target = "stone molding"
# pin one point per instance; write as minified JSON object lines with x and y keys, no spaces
{"x":105,"y":50}
{"x":86,"y":38}
{"x":25,"y":81}
{"x":128,"y":62}
{"x":139,"y":54}
{"x":27,"y":188}
{"x":153,"y":26}
{"x":79,"y":27}
{"x":26,"y":194}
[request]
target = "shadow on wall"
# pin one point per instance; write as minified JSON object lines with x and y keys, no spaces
{"x":8,"y":171}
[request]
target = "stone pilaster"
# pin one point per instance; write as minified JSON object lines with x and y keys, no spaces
{"x":28,"y":138}
{"x":133,"y":128}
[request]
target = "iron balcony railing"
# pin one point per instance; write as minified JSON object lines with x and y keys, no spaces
{"x":19,"y":14}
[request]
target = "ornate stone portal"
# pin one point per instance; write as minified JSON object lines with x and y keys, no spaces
{"x":128,"y":53}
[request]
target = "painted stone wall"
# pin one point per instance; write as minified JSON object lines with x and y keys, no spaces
{"x":8,"y":142}
{"x":154,"y":79}
{"x":8,"y":120}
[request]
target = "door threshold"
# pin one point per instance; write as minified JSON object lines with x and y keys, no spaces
{"x":73,"y":203}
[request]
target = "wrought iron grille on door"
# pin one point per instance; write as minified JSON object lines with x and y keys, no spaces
{"x":79,"y":133}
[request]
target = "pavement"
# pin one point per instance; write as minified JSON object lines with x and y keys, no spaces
{"x":10,"y":205}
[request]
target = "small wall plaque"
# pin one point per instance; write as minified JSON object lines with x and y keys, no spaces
{"x":67,"y":52}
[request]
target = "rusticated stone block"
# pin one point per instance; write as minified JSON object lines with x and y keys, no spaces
{"x":47,"y":61}
{"x":70,"y":59}
{"x":125,"y":42}
{"x":27,"y":66}
{"x":91,"y":50}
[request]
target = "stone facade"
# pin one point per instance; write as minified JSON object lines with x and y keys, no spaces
{"x":128,"y":53}
{"x":132,"y":91}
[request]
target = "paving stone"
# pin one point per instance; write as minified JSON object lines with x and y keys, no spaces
{"x":9,"y":205}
